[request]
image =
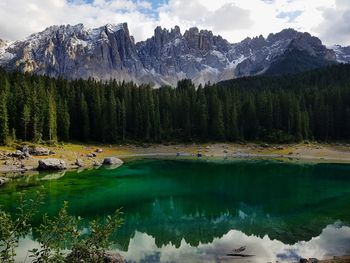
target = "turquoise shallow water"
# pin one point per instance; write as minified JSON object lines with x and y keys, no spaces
{"x":197,"y":211}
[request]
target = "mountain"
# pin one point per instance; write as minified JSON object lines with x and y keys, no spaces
{"x":76,"y":52}
{"x":168,"y":56}
{"x":342,"y":53}
{"x":296,"y":61}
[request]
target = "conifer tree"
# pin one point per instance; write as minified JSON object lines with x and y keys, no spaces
{"x":63,"y":120}
{"x":4,"y":129}
{"x":25,"y":120}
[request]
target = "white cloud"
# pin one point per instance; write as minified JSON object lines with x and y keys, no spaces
{"x":223,"y":17}
{"x":19,"y":18}
{"x":335,"y":28}
{"x":249,"y":17}
{"x":233,"y":19}
{"x":143,"y":246}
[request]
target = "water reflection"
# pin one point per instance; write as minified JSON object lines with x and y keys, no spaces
{"x":190,"y":208}
{"x":333,"y":241}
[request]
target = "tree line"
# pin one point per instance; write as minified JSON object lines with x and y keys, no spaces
{"x":310,"y":106}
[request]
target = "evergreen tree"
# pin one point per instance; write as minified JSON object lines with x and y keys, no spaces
{"x":113,"y":119}
{"x":84,"y":119}
{"x":4,"y":129}
{"x":25,"y":120}
{"x":63,"y":120}
{"x":312,"y":105}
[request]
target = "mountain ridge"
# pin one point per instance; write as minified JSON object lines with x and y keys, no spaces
{"x":168,"y":56}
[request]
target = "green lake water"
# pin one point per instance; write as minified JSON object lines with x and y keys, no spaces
{"x":198,"y":211}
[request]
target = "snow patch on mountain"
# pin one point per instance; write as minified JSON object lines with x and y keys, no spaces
{"x":342,"y":53}
{"x":5,"y":55}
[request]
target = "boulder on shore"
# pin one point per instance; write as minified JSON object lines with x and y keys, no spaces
{"x":40,"y":151}
{"x":112,"y":161}
{"x":52,"y":164}
{"x":18,"y":154}
{"x":3,"y":181}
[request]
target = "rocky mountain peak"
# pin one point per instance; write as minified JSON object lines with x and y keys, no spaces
{"x":163,"y":36}
{"x":176,"y":31}
{"x":202,"y":40}
{"x":288,"y":33}
{"x":109,"y":51}
{"x":312,"y":45}
{"x":112,"y":28}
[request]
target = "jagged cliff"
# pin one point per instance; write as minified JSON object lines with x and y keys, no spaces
{"x":168,"y":56}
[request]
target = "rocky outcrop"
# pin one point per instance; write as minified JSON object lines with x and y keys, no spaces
{"x":112,"y":161}
{"x":165,"y":58}
{"x":51,"y":164}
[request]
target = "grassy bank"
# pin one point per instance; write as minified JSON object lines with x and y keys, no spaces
{"x":70,"y":152}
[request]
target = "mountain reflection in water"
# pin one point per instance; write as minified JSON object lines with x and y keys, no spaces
{"x":199,"y":211}
{"x":334,"y":240}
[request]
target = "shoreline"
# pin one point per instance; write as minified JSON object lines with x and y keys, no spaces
{"x":70,"y":153}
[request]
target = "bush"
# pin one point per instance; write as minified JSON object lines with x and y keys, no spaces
{"x":55,"y":235}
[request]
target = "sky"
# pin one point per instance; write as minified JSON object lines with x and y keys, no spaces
{"x":232,"y":19}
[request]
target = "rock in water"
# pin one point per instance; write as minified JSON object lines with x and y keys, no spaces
{"x":96,"y":164}
{"x":112,"y":161}
{"x":79,"y":163}
{"x":52,"y":164}
{"x":3,"y":181}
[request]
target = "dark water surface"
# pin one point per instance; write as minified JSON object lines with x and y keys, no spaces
{"x":198,"y":211}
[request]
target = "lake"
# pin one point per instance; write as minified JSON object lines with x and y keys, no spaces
{"x":201,"y":210}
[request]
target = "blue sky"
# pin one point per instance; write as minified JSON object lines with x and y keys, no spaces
{"x":157,"y":3}
{"x":153,"y":11}
{"x":232,"y":19}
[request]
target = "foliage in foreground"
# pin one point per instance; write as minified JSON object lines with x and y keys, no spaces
{"x":56,"y":235}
